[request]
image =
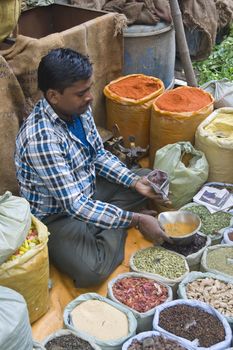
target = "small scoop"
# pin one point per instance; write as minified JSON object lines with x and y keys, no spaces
{"x":180,"y":226}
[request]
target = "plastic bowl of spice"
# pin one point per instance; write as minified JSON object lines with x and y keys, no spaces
{"x":181,"y":226}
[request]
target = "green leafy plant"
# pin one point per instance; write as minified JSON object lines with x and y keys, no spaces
{"x":219,"y":64}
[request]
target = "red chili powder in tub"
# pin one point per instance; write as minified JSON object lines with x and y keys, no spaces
{"x":135,"y":87}
{"x":184,"y":99}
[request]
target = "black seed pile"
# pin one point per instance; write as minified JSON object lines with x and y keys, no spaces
{"x":68,"y":342}
{"x":187,"y":249}
{"x":192,"y":323}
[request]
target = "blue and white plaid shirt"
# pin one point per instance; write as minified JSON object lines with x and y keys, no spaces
{"x":56,"y":173}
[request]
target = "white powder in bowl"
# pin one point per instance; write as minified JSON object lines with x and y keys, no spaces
{"x":100,"y":320}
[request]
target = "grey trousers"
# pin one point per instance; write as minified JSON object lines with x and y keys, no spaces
{"x":86,"y":253}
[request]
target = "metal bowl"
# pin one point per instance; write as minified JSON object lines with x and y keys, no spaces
{"x":171,"y":217}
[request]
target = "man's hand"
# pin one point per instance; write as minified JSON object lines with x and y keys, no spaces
{"x":149,"y":227}
{"x":142,"y":186}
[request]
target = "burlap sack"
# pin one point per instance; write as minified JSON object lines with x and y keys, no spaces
{"x":9,"y":14}
{"x":28,"y":274}
{"x":90,"y":4}
{"x":92,"y":38}
{"x":11,"y":114}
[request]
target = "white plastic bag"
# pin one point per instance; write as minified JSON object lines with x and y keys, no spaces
{"x":15,"y":222}
{"x":15,"y":329}
{"x":105,"y":345}
{"x":144,"y":335}
{"x":205,"y":307}
{"x":221,"y":90}
{"x":144,"y":319}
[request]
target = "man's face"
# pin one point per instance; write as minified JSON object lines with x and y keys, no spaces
{"x":74,"y":99}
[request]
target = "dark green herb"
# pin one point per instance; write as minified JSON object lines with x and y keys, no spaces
{"x":211,"y":223}
{"x":219,"y":64}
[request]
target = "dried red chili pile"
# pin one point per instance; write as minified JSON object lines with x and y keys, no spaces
{"x":139,"y":293}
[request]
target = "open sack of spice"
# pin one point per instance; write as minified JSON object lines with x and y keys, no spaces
{"x":15,"y":221}
{"x":65,"y":339}
{"x":211,"y":288}
{"x":167,"y":266}
{"x":141,"y":294}
{"x":159,"y":181}
{"x":192,"y":251}
{"x":100,"y":320}
{"x":212,"y":225}
{"x":156,"y":340}
{"x":198,"y":323}
{"x":27,"y":270}
{"x":218,"y":259}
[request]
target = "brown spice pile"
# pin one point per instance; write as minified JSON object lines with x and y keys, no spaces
{"x":183,"y":99}
{"x":135,"y":87}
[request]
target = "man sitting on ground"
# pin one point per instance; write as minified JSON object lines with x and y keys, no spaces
{"x":83,"y":193}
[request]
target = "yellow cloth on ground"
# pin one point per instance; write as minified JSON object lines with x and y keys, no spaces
{"x":63,"y":289}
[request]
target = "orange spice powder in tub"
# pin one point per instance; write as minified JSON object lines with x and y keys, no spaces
{"x":183,"y":99}
{"x":135,"y":87}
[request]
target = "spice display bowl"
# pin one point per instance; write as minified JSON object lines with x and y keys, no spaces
{"x":185,"y":218}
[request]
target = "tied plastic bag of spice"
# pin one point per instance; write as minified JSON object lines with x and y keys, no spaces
{"x":187,"y":169}
{"x":128,"y":104}
{"x":222,"y":91}
{"x":68,"y":340}
{"x":192,"y":251}
{"x":141,"y":294}
{"x":157,"y":340}
{"x":15,"y":330}
{"x":100,"y":320}
{"x":214,"y":137}
{"x":213,"y":289}
{"x":175,"y":116}
{"x":15,"y":221}
{"x":27,"y":271}
{"x":218,"y":259}
{"x":166,"y":266}
{"x":198,"y":323}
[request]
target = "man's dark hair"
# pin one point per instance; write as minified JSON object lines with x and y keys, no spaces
{"x":61,"y":68}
